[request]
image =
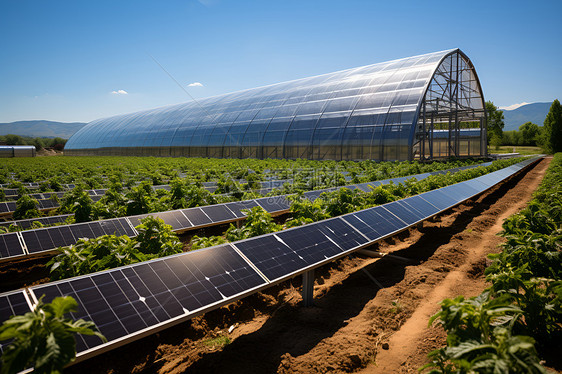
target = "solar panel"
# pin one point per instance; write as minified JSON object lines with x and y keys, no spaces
{"x":286,"y":252}
{"x":126,"y":300}
{"x":404,"y":212}
{"x":12,"y":303}
{"x":375,"y":222}
{"x":313,"y":195}
{"x":420,"y":205}
{"x":342,"y":233}
{"x":136,"y":220}
{"x":274,"y":203}
{"x":460,"y":191}
{"x":123,"y":227}
{"x":238,"y":206}
{"x":477,"y":184}
{"x":81,"y":230}
{"x":175,"y":219}
{"x":438,"y":199}
{"x":96,"y":228}
{"x":411,"y":209}
{"x":66,"y":233}
{"x":27,"y":223}
{"x":10,"y":245}
{"x":218,"y":213}
{"x":196,"y":216}
{"x":111,"y":227}
{"x":271,"y":256}
{"x":56,"y":237}
{"x":32,"y":242}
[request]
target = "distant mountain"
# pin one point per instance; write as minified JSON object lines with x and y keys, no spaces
{"x":43,"y":129}
{"x":535,"y":112}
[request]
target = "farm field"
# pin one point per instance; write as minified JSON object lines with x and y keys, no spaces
{"x":523,"y":150}
{"x":372,"y":329}
{"x":254,"y":315}
{"x":136,"y":185}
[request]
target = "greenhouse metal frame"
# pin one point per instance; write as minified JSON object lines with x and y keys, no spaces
{"x":417,"y":108}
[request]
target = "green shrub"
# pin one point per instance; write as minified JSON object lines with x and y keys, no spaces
{"x":26,"y":207}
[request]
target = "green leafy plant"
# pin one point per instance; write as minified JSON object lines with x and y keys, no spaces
{"x":26,"y":207}
{"x":156,"y":238}
{"x":479,"y":338}
{"x":140,"y":199}
{"x":206,"y":241}
{"x":44,"y":338}
{"x":77,"y":201}
{"x":258,"y":222}
{"x":91,"y":255}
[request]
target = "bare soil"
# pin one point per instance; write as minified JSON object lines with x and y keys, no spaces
{"x":355,"y":325}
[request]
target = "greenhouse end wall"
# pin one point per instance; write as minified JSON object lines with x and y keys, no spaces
{"x":396,"y":110}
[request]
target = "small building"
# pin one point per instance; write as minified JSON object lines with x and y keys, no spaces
{"x":8,"y":151}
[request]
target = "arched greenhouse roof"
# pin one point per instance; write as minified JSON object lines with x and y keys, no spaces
{"x":371,"y":112}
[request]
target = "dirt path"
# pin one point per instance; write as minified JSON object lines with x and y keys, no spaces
{"x":403,"y":354}
{"x":354,"y":325}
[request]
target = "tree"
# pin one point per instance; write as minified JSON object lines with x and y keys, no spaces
{"x":529,"y":132}
{"x":552,"y":129}
{"x":495,"y":121}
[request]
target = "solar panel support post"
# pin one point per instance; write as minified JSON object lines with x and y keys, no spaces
{"x":419,"y":225}
{"x":308,"y":288}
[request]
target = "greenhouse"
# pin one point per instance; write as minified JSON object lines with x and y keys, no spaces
{"x":417,"y":108}
{"x":9,"y":151}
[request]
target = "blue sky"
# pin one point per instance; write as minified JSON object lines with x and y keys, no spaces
{"x":82,"y":60}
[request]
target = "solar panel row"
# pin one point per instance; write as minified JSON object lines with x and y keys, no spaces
{"x":180,"y":220}
{"x":43,"y":204}
{"x":45,"y":221}
{"x":131,"y":301}
{"x":12,"y":303}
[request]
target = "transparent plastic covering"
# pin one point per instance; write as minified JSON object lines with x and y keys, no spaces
{"x":385,"y":111}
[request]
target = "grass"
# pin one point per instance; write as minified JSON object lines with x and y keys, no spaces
{"x":219,"y":341}
{"x":524,"y":150}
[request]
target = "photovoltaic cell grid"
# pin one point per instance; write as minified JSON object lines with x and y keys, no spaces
{"x":131,"y":299}
{"x":48,"y":239}
{"x":12,"y":303}
{"x":140,"y":298}
{"x":28,"y":223}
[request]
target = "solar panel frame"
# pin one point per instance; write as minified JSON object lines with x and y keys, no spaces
{"x":404,"y":212}
{"x":10,"y":246}
{"x":154,"y":294}
{"x":218,"y":213}
{"x":274,"y":204}
{"x":197,"y":216}
{"x":12,"y":303}
{"x":282,"y":254}
{"x":237,"y":207}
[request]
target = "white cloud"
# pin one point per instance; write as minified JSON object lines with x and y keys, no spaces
{"x":195,"y":84}
{"x":120,"y":92}
{"x":514,"y":106}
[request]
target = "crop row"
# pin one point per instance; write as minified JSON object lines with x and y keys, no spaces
{"x":501,"y":330}
{"x":96,"y":172}
{"x":259,"y":222}
{"x":127,"y":198}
